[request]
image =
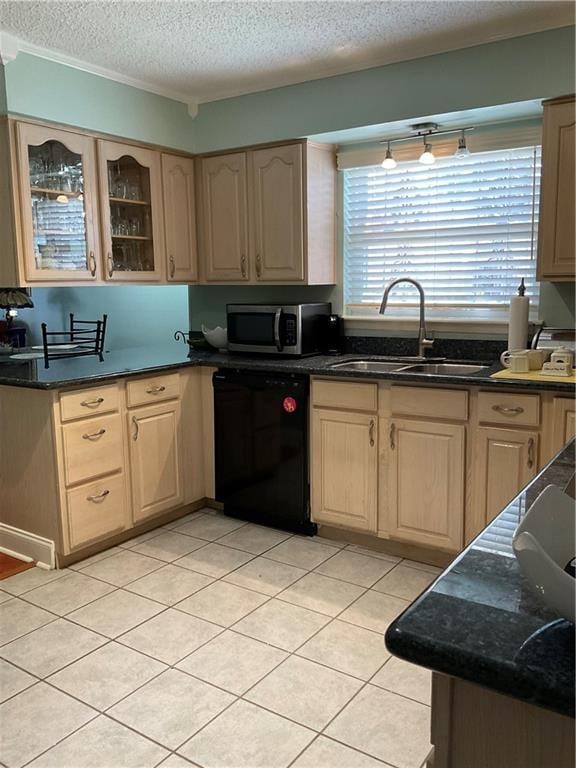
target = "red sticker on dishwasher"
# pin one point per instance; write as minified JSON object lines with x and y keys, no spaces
{"x":289,"y":404}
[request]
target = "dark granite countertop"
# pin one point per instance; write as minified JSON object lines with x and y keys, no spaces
{"x":70,"y":372}
{"x":481,"y":620}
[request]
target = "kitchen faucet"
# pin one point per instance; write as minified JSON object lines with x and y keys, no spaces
{"x":423,"y":342}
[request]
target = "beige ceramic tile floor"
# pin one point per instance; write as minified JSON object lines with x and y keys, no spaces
{"x":212,"y":643}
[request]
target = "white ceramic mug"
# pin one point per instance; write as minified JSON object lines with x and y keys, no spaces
{"x":516,"y":361}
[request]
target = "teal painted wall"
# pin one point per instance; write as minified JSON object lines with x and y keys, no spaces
{"x":137,"y":315}
{"x":519,"y":69}
{"x":44,"y":89}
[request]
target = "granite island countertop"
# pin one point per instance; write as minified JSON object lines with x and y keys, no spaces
{"x":87,"y":371}
{"x":481,"y":621}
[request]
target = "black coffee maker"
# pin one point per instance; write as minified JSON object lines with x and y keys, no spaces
{"x":334,"y":335}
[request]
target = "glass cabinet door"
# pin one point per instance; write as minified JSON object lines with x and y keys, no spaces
{"x":58,"y":190}
{"x":130,"y":180}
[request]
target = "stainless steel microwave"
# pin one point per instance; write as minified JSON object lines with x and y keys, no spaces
{"x":289,"y":329}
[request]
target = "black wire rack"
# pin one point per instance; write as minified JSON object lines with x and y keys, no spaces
{"x":87,"y":335}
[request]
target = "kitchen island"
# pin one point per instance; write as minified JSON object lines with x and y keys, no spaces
{"x":503,"y":662}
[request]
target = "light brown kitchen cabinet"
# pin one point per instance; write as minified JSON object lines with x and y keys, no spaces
{"x":507,"y":460}
{"x":556,"y":243}
{"x":278,"y":213}
{"x":224,"y":218}
{"x":179,"y":219}
{"x":422,"y":482}
{"x":267,"y":215}
{"x":345,"y":469}
{"x":131,"y":213}
{"x":58,"y":192}
{"x":97,"y":510}
{"x":155,"y":459}
{"x":564,"y":422}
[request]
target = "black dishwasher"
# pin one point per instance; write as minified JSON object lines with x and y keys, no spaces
{"x":261,"y":448}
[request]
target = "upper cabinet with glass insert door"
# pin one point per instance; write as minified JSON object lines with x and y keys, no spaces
{"x":131,"y":202}
{"x":58,"y":192}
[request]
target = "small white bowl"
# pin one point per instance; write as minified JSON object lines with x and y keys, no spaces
{"x":544,"y":545}
{"x":216,"y":337}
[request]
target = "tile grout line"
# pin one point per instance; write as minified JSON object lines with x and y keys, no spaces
{"x":222,"y":629}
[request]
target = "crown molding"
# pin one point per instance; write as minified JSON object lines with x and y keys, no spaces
{"x":11,"y":46}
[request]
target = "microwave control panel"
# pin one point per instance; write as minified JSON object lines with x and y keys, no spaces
{"x":290,"y":339}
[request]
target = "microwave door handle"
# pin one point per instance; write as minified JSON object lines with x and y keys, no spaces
{"x":277,"y":339}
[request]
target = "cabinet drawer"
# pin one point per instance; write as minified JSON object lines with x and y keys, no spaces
{"x":450,"y":404}
{"x":92,"y":447}
{"x":78,"y":404}
{"x":97,"y":510}
{"x":509,"y":408}
{"x":353,"y":395}
{"x":152,"y":390}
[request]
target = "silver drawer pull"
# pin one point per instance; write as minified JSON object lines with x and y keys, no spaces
{"x":92,"y":403}
{"x":94,"y":435}
{"x":98,"y":497}
{"x":507,"y":411}
{"x":155,"y":390}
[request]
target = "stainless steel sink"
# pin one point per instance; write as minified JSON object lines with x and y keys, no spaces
{"x":369,"y":365}
{"x":448,"y":369}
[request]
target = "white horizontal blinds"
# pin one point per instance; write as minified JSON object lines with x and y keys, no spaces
{"x":464,"y":227}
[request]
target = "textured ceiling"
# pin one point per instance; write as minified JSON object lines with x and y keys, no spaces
{"x":213,"y":49}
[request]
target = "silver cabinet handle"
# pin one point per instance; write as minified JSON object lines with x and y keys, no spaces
{"x":98,"y":497}
{"x":136,"y":428}
{"x":531,"y":452}
{"x":507,"y":410}
{"x":94,"y":435}
{"x":243,"y":266}
{"x":110,"y":261}
{"x":172,"y":266}
{"x":393,"y":436}
{"x":92,"y":263}
{"x":92,"y":403}
{"x":371,"y":432}
{"x":258,"y":265}
{"x":156,"y":389}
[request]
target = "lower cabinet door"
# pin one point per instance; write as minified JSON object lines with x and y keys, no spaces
{"x":344,"y":469}
{"x":564,"y":422}
{"x":423,"y":498}
{"x":155,"y":459}
{"x":508,"y":459}
{"x":97,"y":510}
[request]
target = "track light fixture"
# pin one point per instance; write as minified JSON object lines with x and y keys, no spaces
{"x":425,"y":131}
{"x":462,"y":150}
{"x":389,"y":163}
{"x":427,"y":157}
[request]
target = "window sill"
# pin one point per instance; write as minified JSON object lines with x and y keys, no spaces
{"x":443,"y":325}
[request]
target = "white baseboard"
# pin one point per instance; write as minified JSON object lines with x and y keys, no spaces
{"x":27,"y":546}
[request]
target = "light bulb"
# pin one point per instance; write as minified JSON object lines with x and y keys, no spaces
{"x":427,"y":158}
{"x":462,"y":150}
{"x":62,"y":199}
{"x":389,"y":163}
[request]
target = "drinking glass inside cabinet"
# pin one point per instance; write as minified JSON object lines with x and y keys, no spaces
{"x":130,"y":215}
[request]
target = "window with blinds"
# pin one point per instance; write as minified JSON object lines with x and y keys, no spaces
{"x":465,"y":227}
